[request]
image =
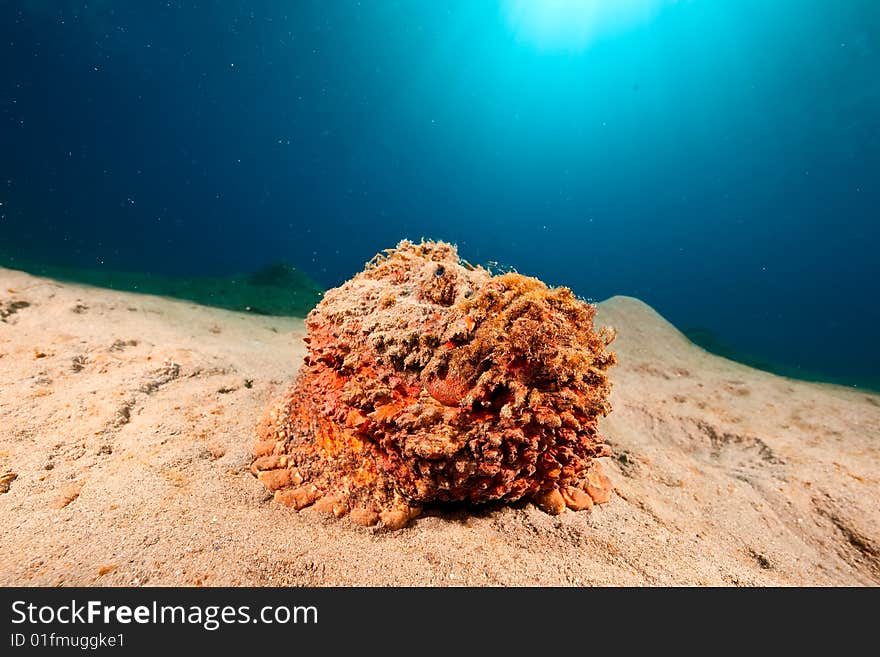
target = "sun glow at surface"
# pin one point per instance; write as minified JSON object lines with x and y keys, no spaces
{"x":572,"y":25}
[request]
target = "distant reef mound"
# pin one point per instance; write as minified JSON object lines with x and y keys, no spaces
{"x":276,"y":289}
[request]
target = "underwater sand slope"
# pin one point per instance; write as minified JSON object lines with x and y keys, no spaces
{"x":127,"y":424}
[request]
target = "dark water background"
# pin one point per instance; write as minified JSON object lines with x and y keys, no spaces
{"x":720,"y":161}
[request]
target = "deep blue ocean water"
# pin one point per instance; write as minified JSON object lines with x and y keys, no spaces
{"x":718,"y":159}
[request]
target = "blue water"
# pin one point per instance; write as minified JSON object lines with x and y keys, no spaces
{"x":719,"y":159}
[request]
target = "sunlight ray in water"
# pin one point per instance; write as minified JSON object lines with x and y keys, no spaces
{"x":572,"y":25}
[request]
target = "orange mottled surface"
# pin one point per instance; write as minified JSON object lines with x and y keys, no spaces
{"x":428,"y":380}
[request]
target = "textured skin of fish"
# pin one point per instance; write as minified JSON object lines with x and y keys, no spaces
{"x":429,"y":380}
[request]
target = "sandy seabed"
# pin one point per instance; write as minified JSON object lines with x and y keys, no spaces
{"x":127,"y":424}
